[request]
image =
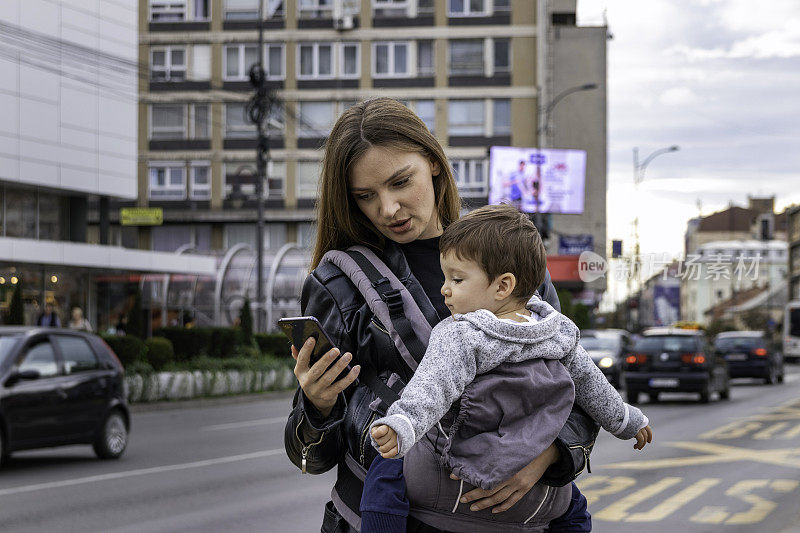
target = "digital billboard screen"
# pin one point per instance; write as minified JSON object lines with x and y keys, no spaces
{"x":538,"y":181}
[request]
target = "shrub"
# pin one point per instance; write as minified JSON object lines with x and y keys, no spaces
{"x":16,"y":314}
{"x":187,"y":343}
{"x":276,"y":344}
{"x":223,"y":342}
{"x":136,"y":324}
{"x":246,"y":322}
{"x":159,"y":352}
{"x":129,"y":349}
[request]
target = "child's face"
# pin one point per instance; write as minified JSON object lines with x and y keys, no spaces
{"x":466,"y":286}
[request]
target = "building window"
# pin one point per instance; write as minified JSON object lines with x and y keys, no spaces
{"x":307,"y":179}
{"x":167,"y":181}
{"x":315,"y":61}
{"x":426,"y":110}
{"x":315,"y":8}
{"x":238,"y":125}
{"x":179,"y":10}
{"x":350,"y":60}
{"x":502,"y":55}
{"x":20,"y":213}
{"x":179,"y":121}
{"x":466,"y":57}
{"x":502,"y":6}
{"x":243,"y":175}
{"x":466,"y":117}
{"x":306,"y":234}
{"x":248,"y":9}
{"x":471,"y":177}
{"x":425,"y":7}
{"x":200,"y":184}
{"x":425,"y":55}
{"x":168,"y":121}
{"x":168,"y":63}
{"x":238,"y":60}
{"x":466,"y":8}
{"x":315,"y":119}
{"x":390,"y":60}
{"x":390,"y":8}
{"x":501,"y":117}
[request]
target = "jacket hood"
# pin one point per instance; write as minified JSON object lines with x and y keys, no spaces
{"x":551,"y":328}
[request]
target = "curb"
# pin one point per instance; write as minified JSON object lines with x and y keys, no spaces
{"x":197,"y":403}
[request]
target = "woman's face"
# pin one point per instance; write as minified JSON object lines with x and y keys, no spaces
{"x":394,"y":190}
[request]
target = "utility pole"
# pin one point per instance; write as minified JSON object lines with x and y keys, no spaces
{"x":258,"y":111}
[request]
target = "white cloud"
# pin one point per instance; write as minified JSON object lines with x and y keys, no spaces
{"x":677,"y":96}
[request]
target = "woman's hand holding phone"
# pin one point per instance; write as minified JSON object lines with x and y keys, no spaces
{"x":318,"y":381}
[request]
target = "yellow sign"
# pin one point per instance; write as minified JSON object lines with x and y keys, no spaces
{"x":141,"y":216}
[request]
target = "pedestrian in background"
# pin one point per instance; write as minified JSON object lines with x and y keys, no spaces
{"x":49,"y":317}
{"x":78,"y":322}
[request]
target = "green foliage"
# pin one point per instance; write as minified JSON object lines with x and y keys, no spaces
{"x":159,"y":352}
{"x":756,"y":320}
{"x":187,"y":343}
{"x":140,"y":367}
{"x":223,"y":342}
{"x":716,"y":327}
{"x":136,"y":326}
{"x":246,"y":322}
{"x":209,"y":364}
{"x":129,"y":349}
{"x":276,"y":344}
{"x":16,"y":315}
{"x":575,"y":311}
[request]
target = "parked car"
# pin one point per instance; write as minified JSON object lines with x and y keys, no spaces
{"x":607,"y":347}
{"x":750,"y":355}
{"x":675,"y":360}
{"x":60,"y":387}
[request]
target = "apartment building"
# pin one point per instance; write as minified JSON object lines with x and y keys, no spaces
{"x":68,"y":137}
{"x":469,"y":68}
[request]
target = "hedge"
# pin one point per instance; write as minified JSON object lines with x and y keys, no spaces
{"x":129,"y":349}
{"x":159,"y":352}
{"x":276,"y":344}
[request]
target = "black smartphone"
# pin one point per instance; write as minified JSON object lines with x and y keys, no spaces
{"x":300,"y":328}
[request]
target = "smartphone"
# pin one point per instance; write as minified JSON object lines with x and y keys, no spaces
{"x":300,"y":328}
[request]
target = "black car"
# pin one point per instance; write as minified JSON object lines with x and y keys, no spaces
{"x":750,"y":355}
{"x":607,"y":348}
{"x":674,"y":360}
{"x":60,"y":387}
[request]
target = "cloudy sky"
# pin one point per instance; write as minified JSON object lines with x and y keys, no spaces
{"x":719,"y":78}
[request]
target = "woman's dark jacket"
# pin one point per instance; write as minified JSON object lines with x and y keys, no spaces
{"x":341,"y":440}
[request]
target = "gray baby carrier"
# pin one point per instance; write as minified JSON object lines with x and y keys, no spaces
{"x":434,"y":497}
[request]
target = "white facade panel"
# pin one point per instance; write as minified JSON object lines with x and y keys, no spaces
{"x":9,"y":74}
{"x":38,"y":120}
{"x":57,"y":106}
{"x":9,"y":166}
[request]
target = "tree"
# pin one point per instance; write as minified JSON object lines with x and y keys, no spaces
{"x":16,"y":311}
{"x":135,"y":318}
{"x":246,"y":322}
{"x":575,"y":311}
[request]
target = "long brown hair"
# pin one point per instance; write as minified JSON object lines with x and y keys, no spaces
{"x":375,"y":122}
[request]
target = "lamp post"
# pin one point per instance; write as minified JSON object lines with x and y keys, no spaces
{"x":546,"y":111}
{"x":638,"y":176}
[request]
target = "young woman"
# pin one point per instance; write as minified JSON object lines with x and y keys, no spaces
{"x":386,"y":184}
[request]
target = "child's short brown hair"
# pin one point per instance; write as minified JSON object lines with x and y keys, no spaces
{"x":500,"y":239}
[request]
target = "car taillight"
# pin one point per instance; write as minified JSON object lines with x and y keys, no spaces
{"x":636,"y":359}
{"x":693,"y":358}
{"x":761,"y":352}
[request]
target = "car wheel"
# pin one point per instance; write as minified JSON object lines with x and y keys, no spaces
{"x":653,"y":397}
{"x":725,"y":394}
{"x":705,"y":395}
{"x":633,"y":396}
{"x":113,"y":437}
{"x":772,"y":377}
{"x":4,"y":453}
{"x":780,"y":376}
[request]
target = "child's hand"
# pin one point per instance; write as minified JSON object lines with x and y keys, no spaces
{"x":386,"y":439}
{"x":644,"y":436}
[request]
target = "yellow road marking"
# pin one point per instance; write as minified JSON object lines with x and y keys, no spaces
{"x":710,"y":515}
{"x":613,"y":485}
{"x":674,"y":502}
{"x":618,"y":510}
{"x":760,"y":507}
{"x":715,"y":453}
{"x":770,"y":432}
{"x":734,"y":430}
{"x":792,"y":432}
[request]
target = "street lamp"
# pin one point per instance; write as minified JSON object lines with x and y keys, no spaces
{"x":639,"y":168}
{"x":638,"y":176}
{"x":544,"y":129}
